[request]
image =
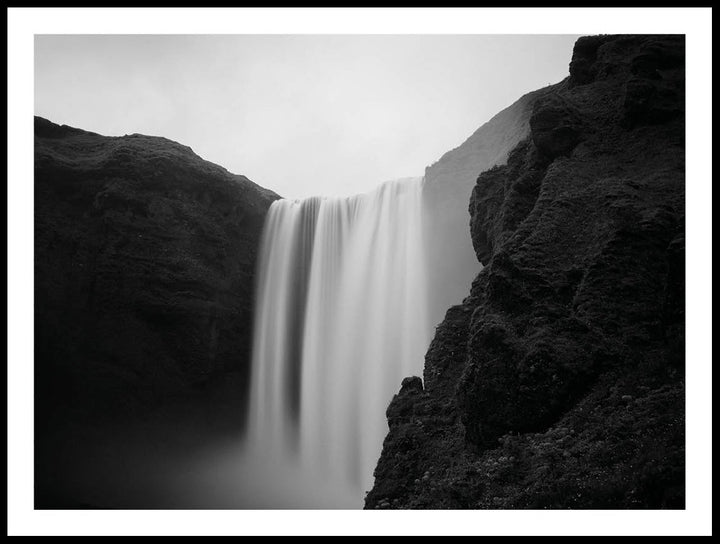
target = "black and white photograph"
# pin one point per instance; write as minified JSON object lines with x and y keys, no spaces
{"x":304,"y":268}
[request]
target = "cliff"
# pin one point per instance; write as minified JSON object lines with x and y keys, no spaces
{"x":144,"y":264}
{"x":559,"y":380}
{"x":144,"y":273}
{"x":447,"y":184}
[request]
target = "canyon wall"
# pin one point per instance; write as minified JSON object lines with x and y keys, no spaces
{"x":558,"y":382}
{"x":447,"y":185}
{"x":144,"y":283}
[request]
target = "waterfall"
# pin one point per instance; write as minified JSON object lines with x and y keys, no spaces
{"x":341,"y":317}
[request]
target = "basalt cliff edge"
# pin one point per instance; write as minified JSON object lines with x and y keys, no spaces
{"x":559,"y":380}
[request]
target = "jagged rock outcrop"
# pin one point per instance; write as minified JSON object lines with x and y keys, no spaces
{"x":144,"y":265}
{"x":559,"y":381}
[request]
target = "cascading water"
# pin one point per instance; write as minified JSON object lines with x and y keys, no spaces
{"x":341,"y":318}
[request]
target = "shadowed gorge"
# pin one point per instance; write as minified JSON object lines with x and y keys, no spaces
{"x":505,"y":332}
{"x":385,"y":266}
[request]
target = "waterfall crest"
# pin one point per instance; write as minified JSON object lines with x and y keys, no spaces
{"x":341,"y":317}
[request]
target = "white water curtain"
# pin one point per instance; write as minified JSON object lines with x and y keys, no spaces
{"x":341,"y":318}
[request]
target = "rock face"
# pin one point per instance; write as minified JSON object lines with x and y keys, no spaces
{"x":144,"y":264}
{"x":559,"y":381}
{"x":446,"y":189}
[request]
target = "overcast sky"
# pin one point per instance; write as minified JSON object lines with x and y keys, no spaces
{"x":301,"y":115}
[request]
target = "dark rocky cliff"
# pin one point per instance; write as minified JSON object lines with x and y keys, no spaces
{"x":559,"y":381}
{"x":144,"y":271}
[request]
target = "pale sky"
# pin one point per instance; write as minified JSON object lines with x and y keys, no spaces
{"x":302,"y":115}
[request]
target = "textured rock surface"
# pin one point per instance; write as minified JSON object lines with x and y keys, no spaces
{"x":144,"y":264}
{"x":446,"y":189}
{"x":559,"y":381}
